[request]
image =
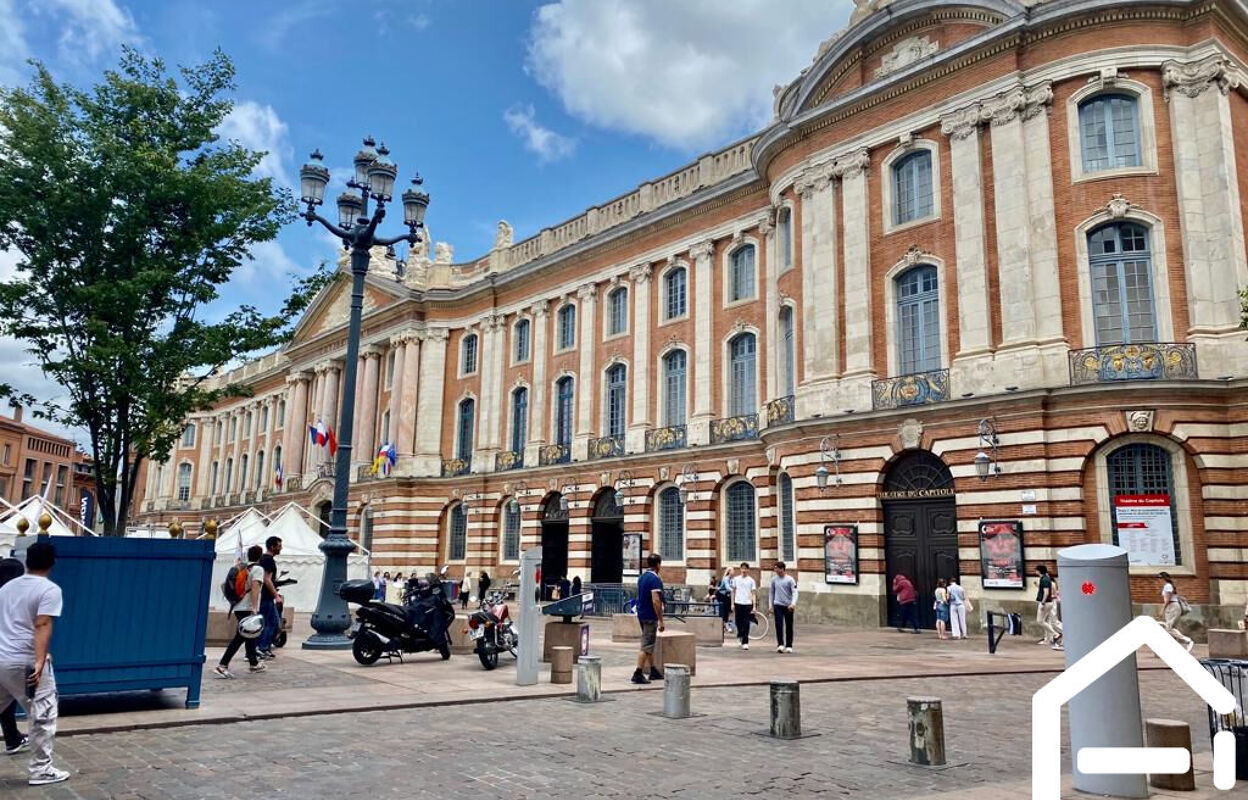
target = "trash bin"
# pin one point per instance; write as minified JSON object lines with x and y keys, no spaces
{"x":1233,"y":674}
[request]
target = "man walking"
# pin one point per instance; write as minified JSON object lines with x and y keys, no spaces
{"x":783,"y":601}
{"x":744,"y":599}
{"x":907,"y":602}
{"x":1046,"y":609}
{"x":28,"y":604}
{"x":242,"y":609}
{"x":268,"y":597}
{"x":650,"y":616}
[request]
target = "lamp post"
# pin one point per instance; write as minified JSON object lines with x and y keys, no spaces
{"x":357,"y":228}
{"x":625,"y":481}
{"x":829,"y":450}
{"x":688,"y":477}
{"x":986,"y":465}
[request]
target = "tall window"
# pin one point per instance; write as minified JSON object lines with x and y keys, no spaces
{"x":28,"y":478}
{"x":742,"y":399}
{"x":260,"y":470}
{"x":918,"y":320}
{"x":567,"y":327}
{"x":264,"y":418}
{"x":912,"y":187}
{"x":788,"y":342}
{"x":675,"y":293}
{"x":788,"y":530}
{"x":281,"y":413}
{"x":216,"y":431}
{"x":784,"y":230}
{"x":242,"y":472}
{"x":1122,"y":291}
{"x":467,"y":414}
{"x":247,"y":424}
{"x":216,"y":468}
{"x":390,"y":367}
{"x":741,"y":540}
{"x":277,"y":458}
{"x":184,"y":481}
{"x":674,"y":387}
{"x":520,"y":341}
{"x":233,"y":427}
{"x":458,"y":549}
{"x":62,"y":472}
{"x":617,"y":308}
{"x":617,"y":392}
{"x":1109,"y":132}
{"x":519,"y":419}
{"x":229,"y":475}
{"x":741,"y":274}
{"x":671,"y":524}
{"x":188,"y":435}
{"x":563,"y":411}
{"x":1143,"y":469}
{"x":511,"y":532}
{"x":385,"y":428}
{"x":469,"y":354}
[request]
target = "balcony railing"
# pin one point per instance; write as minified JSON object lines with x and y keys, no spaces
{"x":326,"y":470}
{"x":1143,"y":361}
{"x":508,"y":459}
{"x":732,"y":429}
{"x":606,"y":447}
{"x":672,"y":437}
{"x":780,"y":411}
{"x":452,"y":467}
{"x":554,"y":454}
{"x":293,"y":484}
{"x":915,"y":389}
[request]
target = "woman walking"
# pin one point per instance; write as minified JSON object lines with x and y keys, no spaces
{"x":942,"y":609}
{"x":745,"y":597}
{"x":465,"y":589}
{"x":1171,"y":610}
{"x":723,"y":595}
{"x":957,"y":608}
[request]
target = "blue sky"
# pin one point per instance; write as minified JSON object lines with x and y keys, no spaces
{"x":511,"y":109}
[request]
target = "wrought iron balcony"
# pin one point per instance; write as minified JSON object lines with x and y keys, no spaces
{"x":606,"y":447}
{"x":1142,"y":361}
{"x":780,"y":411}
{"x":293,"y":484}
{"x":508,"y":459}
{"x":452,"y":467}
{"x":554,"y":454}
{"x":915,"y":389}
{"x":732,"y":429}
{"x":672,"y":437}
{"x":326,"y":470}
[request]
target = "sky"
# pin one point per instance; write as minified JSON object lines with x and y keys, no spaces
{"x":514,"y":110}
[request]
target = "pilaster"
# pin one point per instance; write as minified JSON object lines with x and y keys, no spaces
{"x":970,"y":247}
{"x":699,"y":428}
{"x":537,"y":406}
{"x":367,"y":419}
{"x":405,"y":420}
{"x":819,"y":285}
{"x":427,"y":460}
{"x":587,"y":385}
{"x":856,"y":213}
{"x":640,"y":383}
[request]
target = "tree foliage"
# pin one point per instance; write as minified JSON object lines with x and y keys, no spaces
{"x":127,"y":214}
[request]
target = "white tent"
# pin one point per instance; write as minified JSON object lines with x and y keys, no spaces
{"x":241,"y":532}
{"x":31,"y":509}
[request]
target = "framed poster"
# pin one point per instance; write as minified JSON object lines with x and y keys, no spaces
{"x":1001,"y":563}
{"x":840,"y":554}
{"x":1145,"y":529}
{"x":632,"y":554}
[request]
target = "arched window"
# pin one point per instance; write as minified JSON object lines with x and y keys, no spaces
{"x":912,"y":187}
{"x":788,"y":342}
{"x":277,"y":459}
{"x":784,"y":230}
{"x":457,"y":541}
{"x":1122,"y":286}
{"x":567,"y":327}
{"x":740,"y":532}
{"x":188,"y":435}
{"x":511,"y":531}
{"x":918,"y":320}
{"x":229,"y":475}
{"x":671,"y":525}
{"x":247,"y":424}
{"x":617,"y":311}
{"x":464,"y":429}
{"x":520,"y":341}
{"x":233,"y":427}
{"x":1109,"y":132}
{"x":675,"y":293}
{"x":563,"y":411}
{"x":674,"y":387}
{"x":260,"y":470}
{"x":519,"y":419}
{"x":264,"y":418}
{"x":742,"y":398}
{"x":617,"y":397}
{"x":385,"y":428}
{"x":788,"y":529}
{"x":468,"y":352}
{"x":242,"y":473}
{"x":184,"y":481}
{"x":1143,"y":469}
{"x":741,"y":273}
{"x":216,"y":468}
{"x":390,"y":357}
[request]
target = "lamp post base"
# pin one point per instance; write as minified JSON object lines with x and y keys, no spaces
{"x":327,"y":641}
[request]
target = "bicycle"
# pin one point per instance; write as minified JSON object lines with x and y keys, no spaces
{"x":758,"y":625}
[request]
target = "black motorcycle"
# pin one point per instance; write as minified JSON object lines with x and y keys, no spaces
{"x":491,"y":631}
{"x":421,"y":624}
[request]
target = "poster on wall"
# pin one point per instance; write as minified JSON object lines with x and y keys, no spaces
{"x":1145,"y":529}
{"x":840,"y":553}
{"x":632,"y":554}
{"x":1001,"y":561}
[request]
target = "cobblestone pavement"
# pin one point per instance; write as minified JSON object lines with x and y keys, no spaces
{"x":553,"y":748}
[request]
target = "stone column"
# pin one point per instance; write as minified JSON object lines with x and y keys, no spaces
{"x":491,"y":402}
{"x":316,"y":453}
{"x":1045,"y":280}
{"x":367,"y":419}
{"x":771,"y":302}
{"x":428,"y":457}
{"x":639,"y":385}
{"x":236,"y":424}
{"x":253,"y":440}
{"x":970,"y":248}
{"x":856,"y":211}
{"x":537,"y":398}
{"x":398,"y":346}
{"x":223,"y":452}
{"x":1009,"y":172}
{"x":820,"y":350}
{"x":404,"y":419}
{"x":203,"y":469}
{"x":588,"y":380}
{"x":296,"y":429}
{"x":358,"y":434}
{"x":704,"y":350}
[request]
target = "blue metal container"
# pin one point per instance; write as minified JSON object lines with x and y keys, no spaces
{"x":135,"y":613}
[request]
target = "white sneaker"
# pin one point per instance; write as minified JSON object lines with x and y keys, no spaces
{"x":746,"y":646}
{"x":21,"y":746}
{"x":780,"y":648}
{"x":788,"y":649}
{"x":222,"y":672}
{"x":1057,"y":647}
{"x":53,"y":775}
{"x":260,"y":666}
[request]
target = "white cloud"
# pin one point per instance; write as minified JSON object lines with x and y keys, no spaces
{"x":272,"y":32}
{"x":13,"y":50}
{"x":258,"y":127}
{"x":548,"y":145}
{"x":91,"y":29}
{"x":689,"y":74}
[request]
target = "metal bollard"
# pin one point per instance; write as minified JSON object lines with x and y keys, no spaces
{"x":676,"y":691}
{"x":589,"y":679}
{"x":927,"y":731}
{"x":786,"y":710}
{"x":561,"y":665}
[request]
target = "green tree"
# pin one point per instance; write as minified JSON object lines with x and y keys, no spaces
{"x":127,"y":214}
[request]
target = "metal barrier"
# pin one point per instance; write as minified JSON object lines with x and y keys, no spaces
{"x":1233,"y":674}
{"x":999,"y":624}
{"x":621,"y":598}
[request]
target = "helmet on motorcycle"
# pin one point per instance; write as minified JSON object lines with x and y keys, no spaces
{"x":251,"y":627}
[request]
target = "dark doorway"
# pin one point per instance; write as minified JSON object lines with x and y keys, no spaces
{"x":607,"y":554}
{"x":323,"y":511}
{"x":920,"y":528}
{"x":554,"y":543}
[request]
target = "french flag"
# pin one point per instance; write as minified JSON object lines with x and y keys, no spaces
{"x":277,"y":476}
{"x":330,"y":439}
{"x":318,"y":434}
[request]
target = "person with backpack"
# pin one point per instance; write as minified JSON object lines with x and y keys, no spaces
{"x":242,"y":588}
{"x":268,"y":598}
{"x":1173,"y":606}
{"x":1046,"y":609}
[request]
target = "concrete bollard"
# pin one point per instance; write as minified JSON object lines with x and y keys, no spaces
{"x":676,"y":691}
{"x":927,"y":731}
{"x":1171,"y":733}
{"x":561,"y":665}
{"x":786,"y":709}
{"x":589,"y":679}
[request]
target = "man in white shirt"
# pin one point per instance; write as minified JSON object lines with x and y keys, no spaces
{"x":28,"y":605}
{"x":744,"y":598}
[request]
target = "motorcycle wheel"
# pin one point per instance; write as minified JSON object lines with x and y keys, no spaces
{"x":489,"y":659}
{"x":366,"y":648}
{"x":280,"y":639}
{"x":444,"y":650}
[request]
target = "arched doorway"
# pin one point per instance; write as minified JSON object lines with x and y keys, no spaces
{"x":324,"y":511}
{"x":920,"y":528}
{"x":554,"y":542}
{"x":607,"y":523}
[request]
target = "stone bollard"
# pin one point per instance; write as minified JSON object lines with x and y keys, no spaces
{"x":676,"y":691}
{"x":561,"y":665}
{"x":1171,"y":733}
{"x":786,"y":709}
{"x":927,"y":731}
{"x":589,"y":679}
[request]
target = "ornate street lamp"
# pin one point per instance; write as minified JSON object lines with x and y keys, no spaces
{"x":829,"y":450}
{"x":514,"y":504}
{"x":688,"y":476}
{"x":357,"y":229}
{"x":625,"y":481}
{"x":986,"y":465}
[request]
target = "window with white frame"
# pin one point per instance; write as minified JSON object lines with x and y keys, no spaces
{"x":464,"y":429}
{"x":563,"y":411}
{"x":1122,"y":291}
{"x":264,"y":418}
{"x":457,"y":540}
{"x":740,"y":534}
{"x":188,"y":435}
{"x":788,"y":528}
{"x":281,"y":413}
{"x":216,"y":431}
{"x":617,"y":397}
{"x":390,"y":357}
{"x":385,"y":428}
{"x":675,"y":372}
{"x":242,"y":472}
{"x":247,"y":424}
{"x":741,"y":274}
{"x":468,"y":355}
{"x":520,"y":341}
{"x":566,"y":320}
{"x":918,"y":320}
{"x":1109,"y":132}
{"x":260,"y":470}
{"x":617,"y":312}
{"x":789,"y":343}
{"x":511,"y":531}
{"x":742,"y":376}
{"x":912,"y":187}
{"x":1143,"y":469}
{"x":675,"y":293}
{"x":184,"y":481}
{"x":784,"y":232}
{"x":519,"y":419}
{"x":216,"y":468}
{"x":229,"y":474}
{"x":277,"y":459}
{"x":671,"y":525}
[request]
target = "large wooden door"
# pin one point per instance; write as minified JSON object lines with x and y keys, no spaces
{"x":921,"y":542}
